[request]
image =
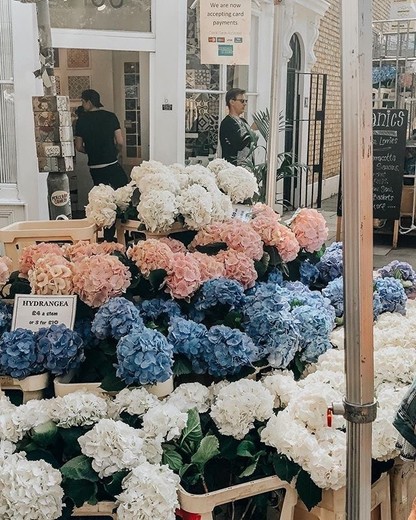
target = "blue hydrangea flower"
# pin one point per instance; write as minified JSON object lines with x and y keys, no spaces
{"x":188,"y":338}
{"x":315,"y":324}
{"x":83,"y":327}
{"x":144,"y":357}
{"x":18,"y":354}
{"x":298,"y":294}
{"x":377,"y":305}
{"x":6,"y":312}
{"x":265,"y":297}
{"x":227,"y":351}
{"x":157,"y":307}
{"x":275,"y":276}
{"x":60,"y":349}
{"x":400,"y":270}
{"x":392,"y":294}
{"x":330,"y":265}
{"x":334,"y":291}
{"x":218,"y":291}
{"x":116,"y":318}
{"x":309,"y":273}
{"x":282,"y":341}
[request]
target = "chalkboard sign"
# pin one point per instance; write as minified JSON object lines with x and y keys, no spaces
{"x":389,"y":144}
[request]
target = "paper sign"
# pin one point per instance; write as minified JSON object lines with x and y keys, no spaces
{"x":225,"y":31}
{"x":33,"y":311}
{"x":242,"y":212}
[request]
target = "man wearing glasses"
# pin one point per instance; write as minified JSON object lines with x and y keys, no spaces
{"x":235,"y":137}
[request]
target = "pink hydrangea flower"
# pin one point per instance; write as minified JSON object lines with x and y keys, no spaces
{"x":5,"y":266}
{"x":174,"y":245}
{"x":238,"y":266}
{"x":209,"y":266}
{"x":80,"y":249}
{"x":310,"y":229}
{"x":99,"y":278}
{"x":266,"y":227}
{"x":241,"y":237}
{"x":107,"y":248}
{"x":264,"y":210}
{"x":150,"y":255}
{"x":51,"y":274}
{"x":287,"y":245}
{"x":208,"y":235}
{"x":184,"y":278}
{"x":31,"y":253}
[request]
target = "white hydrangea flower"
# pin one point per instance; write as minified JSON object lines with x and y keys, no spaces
{"x":165,"y":181}
{"x":337,"y":337}
{"x":158,"y":210}
{"x":195,"y":169}
{"x":334,"y":379}
{"x":102,"y":193}
{"x":149,"y":493}
{"x":222,"y":208}
{"x":147,"y":168}
{"x":6,"y":449}
{"x":8,"y":430}
{"x":394,"y":330}
{"x":282,"y":386}
{"x":103,"y":214}
{"x":182,"y":179}
{"x":122,"y":196}
{"x":29,"y":490}
{"x":195,"y":205}
{"x":191,"y":395}
{"x":215,"y":388}
{"x":332,"y":360}
{"x":202,"y":179}
{"x":29,"y":415}
{"x":135,"y":401}
{"x":237,"y":182}
{"x":219,"y":164}
{"x":394,"y":365}
{"x":113,"y":446}
{"x":165,"y":420}
{"x":78,"y":409}
{"x":152,"y":448}
{"x":239,"y":404}
{"x":177,"y":168}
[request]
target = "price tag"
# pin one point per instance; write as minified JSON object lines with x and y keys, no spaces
{"x":33,"y":311}
{"x":242,"y":212}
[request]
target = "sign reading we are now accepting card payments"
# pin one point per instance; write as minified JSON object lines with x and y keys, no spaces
{"x":33,"y":311}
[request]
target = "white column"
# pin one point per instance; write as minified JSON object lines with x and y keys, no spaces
{"x":167,"y":82}
{"x":30,"y":184}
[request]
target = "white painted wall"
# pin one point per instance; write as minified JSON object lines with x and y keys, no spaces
{"x":167,"y":80}
{"x":32,"y":189}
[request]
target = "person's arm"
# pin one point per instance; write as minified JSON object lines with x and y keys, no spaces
{"x":79,"y":144}
{"x":118,"y":139}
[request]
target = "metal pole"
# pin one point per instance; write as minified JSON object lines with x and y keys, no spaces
{"x":58,"y":182}
{"x":360,"y":408}
{"x":273,"y":142}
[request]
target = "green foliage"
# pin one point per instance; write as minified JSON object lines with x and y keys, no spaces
{"x":308,"y":491}
{"x":256,"y":159}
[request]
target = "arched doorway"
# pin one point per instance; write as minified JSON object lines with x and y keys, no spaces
{"x":292,"y":112}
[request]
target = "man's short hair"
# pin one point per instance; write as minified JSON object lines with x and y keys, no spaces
{"x":93,"y":96}
{"x":232,"y":94}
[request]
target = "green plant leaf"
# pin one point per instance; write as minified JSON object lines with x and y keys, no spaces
{"x":40,"y":454}
{"x":80,"y":491}
{"x":212,"y":249}
{"x":308,"y":491}
{"x":246,"y":449}
{"x":261,"y":265}
{"x":181,"y":365}
{"x":45,"y":434}
{"x":207,"y":450}
{"x":156,"y":278}
{"x":173,"y":459}
{"x":79,"y":468}
{"x":112,"y":383}
{"x":249,"y":469}
{"x":184,"y":469}
{"x":70,"y":440}
{"x":193,"y":430}
{"x":285,"y":469}
{"x":113,"y":484}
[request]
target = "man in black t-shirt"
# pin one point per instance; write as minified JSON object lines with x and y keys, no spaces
{"x":98,"y":134}
{"x":235,"y":135}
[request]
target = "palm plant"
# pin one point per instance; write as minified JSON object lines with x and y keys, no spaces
{"x":287,"y":167}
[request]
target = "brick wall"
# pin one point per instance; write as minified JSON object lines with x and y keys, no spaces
{"x":328,"y":54}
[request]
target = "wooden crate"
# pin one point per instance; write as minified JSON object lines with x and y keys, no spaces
{"x":201,"y":507}
{"x":21,"y":234}
{"x":332,"y":505}
{"x":403,"y":488}
{"x":32,"y":387}
{"x":107,"y":509}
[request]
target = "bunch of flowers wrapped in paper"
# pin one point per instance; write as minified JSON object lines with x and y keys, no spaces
{"x":160,"y":196}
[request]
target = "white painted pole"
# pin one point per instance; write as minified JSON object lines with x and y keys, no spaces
{"x":273,"y":141}
{"x":357,"y":183}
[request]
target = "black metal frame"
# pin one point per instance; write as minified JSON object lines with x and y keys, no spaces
{"x":302,"y":186}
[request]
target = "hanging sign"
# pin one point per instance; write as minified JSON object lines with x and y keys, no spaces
{"x":225,"y":31}
{"x":32,"y":312}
